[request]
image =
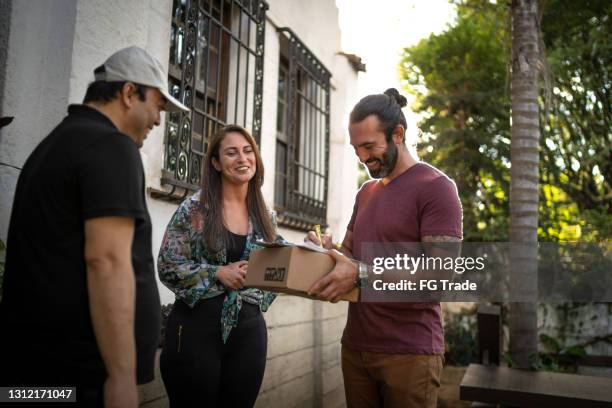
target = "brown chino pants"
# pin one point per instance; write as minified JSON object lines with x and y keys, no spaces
{"x":375,"y":380}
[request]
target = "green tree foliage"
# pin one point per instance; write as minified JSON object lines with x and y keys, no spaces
{"x":460,"y":79}
{"x":576,"y":150}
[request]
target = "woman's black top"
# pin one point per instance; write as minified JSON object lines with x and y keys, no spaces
{"x":235,"y":247}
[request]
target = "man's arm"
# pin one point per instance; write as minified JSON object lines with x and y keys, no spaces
{"x":441,"y":246}
{"x":111,"y":288}
{"x":342,"y":278}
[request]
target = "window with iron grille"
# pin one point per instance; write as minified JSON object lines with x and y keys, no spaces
{"x":302,"y":135}
{"x":216,"y":69}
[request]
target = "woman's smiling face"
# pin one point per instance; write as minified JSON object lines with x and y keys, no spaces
{"x":236,"y":161}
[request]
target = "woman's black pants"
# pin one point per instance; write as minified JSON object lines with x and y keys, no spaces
{"x":199,"y":370}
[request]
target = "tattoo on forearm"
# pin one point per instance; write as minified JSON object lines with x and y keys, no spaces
{"x":440,"y":238}
{"x":441,"y":242}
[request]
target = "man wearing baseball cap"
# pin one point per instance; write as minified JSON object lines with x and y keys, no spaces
{"x":80,"y":304}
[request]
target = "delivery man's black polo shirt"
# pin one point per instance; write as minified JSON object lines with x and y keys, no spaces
{"x":84,"y":169}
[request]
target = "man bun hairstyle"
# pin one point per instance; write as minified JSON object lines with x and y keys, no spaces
{"x":394,"y":93}
{"x":386,"y":106}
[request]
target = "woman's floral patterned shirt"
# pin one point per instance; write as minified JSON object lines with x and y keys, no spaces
{"x":188,"y":269}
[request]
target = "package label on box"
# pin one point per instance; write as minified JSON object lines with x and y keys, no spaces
{"x":289,"y":268}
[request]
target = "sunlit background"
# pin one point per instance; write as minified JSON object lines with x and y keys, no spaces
{"x":378,"y":31}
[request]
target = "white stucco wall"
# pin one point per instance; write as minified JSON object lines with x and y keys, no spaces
{"x":315,"y":22}
{"x":269,"y":110}
{"x":343,"y":161}
{"x":36,"y":85}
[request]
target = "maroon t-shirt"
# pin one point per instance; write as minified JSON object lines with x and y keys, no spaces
{"x":421,"y":201}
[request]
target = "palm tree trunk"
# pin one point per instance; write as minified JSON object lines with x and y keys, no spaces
{"x":524,"y":180}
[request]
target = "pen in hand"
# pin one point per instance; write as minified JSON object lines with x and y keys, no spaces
{"x":317,"y":228}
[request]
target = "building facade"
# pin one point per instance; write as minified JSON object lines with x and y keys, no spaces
{"x":274,"y":67}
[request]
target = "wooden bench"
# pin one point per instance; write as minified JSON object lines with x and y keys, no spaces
{"x":522,"y":388}
{"x":489,"y":385}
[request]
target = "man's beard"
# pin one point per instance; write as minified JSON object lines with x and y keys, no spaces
{"x":387,"y":164}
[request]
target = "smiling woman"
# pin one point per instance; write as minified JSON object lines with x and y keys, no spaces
{"x":223,"y":185}
{"x":203,"y":260}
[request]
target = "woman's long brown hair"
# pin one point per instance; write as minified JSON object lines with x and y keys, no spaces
{"x":212,"y":193}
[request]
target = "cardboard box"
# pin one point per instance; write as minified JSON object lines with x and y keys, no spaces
{"x":290,"y":269}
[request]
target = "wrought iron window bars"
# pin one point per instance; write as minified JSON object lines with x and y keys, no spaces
{"x":216,"y":69}
{"x":302,"y":148}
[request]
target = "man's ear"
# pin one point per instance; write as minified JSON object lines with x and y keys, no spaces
{"x":398,"y":134}
{"x":127,"y":94}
